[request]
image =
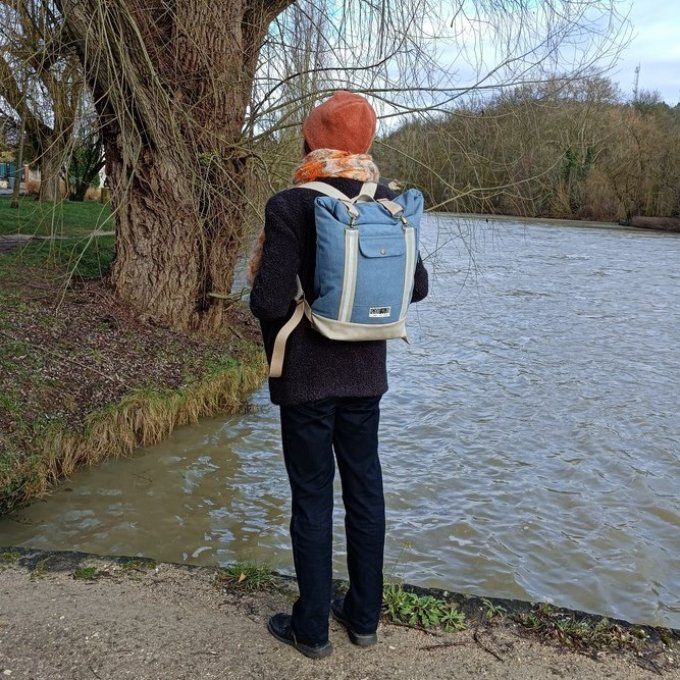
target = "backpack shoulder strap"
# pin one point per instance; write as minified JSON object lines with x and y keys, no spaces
{"x":328,"y":190}
{"x":367,"y":191}
{"x":324,"y":188}
{"x":279,"y":350}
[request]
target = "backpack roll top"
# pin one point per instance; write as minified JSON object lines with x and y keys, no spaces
{"x":365,"y":266}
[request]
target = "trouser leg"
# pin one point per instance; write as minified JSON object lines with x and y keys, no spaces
{"x":307,"y":438}
{"x":356,"y":448}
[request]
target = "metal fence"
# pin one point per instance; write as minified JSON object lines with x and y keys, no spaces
{"x":7,"y":170}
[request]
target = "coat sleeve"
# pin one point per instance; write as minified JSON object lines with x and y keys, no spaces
{"x":421,"y":282}
{"x":275,"y":284}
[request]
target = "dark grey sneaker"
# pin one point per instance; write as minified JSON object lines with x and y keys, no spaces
{"x":279,"y":626}
{"x":359,"y":639}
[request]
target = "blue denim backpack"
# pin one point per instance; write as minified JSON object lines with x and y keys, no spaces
{"x":366,"y":254}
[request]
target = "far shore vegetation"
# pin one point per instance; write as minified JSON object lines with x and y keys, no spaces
{"x":566,"y":149}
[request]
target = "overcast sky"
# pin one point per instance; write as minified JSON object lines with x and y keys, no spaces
{"x":652,"y":41}
{"x":656,"y":47}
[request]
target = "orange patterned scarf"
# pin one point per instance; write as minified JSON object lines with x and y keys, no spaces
{"x":333,"y":163}
{"x":318,"y":164}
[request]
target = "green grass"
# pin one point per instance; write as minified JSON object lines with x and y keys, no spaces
{"x":39,"y":570}
{"x":132,"y":568}
{"x":83,"y":258}
{"x":8,"y":402}
{"x":75,"y":253}
{"x":580,"y":632}
{"x":85,"y":574}
{"x":9,"y":556}
{"x":67,"y":218}
{"x":248,"y":576}
{"x":491,"y":610}
{"x":142,"y":565}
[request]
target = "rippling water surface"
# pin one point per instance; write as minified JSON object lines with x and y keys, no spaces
{"x":530,"y":439}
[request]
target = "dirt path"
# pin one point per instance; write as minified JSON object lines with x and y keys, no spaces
{"x":172,"y":623}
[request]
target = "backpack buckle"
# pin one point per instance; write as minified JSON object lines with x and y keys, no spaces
{"x":353,"y":213}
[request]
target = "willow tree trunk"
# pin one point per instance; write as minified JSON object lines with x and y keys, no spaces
{"x":18,"y":170}
{"x":51,"y":164}
{"x":173,"y":82}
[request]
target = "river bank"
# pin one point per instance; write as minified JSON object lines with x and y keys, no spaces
{"x":82,"y":378}
{"x":540,"y":221}
{"x":67,"y":615}
{"x":667,"y":224}
{"x":671,"y":224}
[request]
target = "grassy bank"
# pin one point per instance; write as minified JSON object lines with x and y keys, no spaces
{"x":82,"y":379}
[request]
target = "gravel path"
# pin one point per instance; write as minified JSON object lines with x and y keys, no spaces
{"x":172,"y":623}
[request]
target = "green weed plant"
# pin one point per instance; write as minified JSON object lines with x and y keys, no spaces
{"x":421,"y":611}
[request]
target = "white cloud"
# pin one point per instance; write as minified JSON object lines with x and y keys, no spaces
{"x":655,"y":47}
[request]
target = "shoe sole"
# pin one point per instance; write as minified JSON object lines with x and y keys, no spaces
{"x":357,"y":639}
{"x":309,"y":652}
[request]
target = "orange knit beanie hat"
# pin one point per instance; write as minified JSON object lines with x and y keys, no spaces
{"x":345,"y":121}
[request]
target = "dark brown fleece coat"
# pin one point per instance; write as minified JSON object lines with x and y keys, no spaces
{"x":315,"y":367}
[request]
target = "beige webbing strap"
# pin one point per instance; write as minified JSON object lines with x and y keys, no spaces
{"x":328,"y":190}
{"x":279,"y":351}
{"x":324,"y":188}
{"x":366,"y":193}
{"x":367,"y":190}
{"x":394,"y":208}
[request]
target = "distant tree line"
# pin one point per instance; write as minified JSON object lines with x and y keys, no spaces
{"x":565,"y":149}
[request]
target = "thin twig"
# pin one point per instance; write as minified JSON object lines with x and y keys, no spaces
{"x":450,"y":643}
{"x":475,"y":637}
{"x":94,"y":672}
{"x":434,"y":633}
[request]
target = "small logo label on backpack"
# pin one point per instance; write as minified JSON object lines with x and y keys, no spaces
{"x":379,"y":312}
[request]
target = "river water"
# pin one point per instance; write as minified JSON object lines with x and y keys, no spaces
{"x":530,"y":440}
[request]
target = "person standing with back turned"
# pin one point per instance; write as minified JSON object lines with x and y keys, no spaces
{"x":329,"y":390}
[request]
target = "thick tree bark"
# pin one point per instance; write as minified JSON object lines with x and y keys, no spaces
{"x":172,"y":84}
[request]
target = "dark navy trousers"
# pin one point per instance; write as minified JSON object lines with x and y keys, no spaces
{"x":310,"y":433}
